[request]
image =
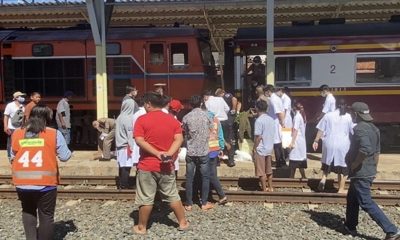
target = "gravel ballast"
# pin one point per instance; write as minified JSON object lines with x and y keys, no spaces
{"x":84,"y":219}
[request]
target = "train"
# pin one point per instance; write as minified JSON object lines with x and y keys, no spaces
{"x":360,"y":62}
{"x":53,"y":61}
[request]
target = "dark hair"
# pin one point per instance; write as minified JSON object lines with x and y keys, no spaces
{"x":195,"y":101}
{"x":68,"y":94}
{"x":35,"y":93}
{"x":40,"y":116}
{"x":129,"y":89}
{"x":324,"y":88}
{"x":342,"y":106}
{"x":207,"y":92}
{"x":261,"y":106}
{"x":286,"y":90}
{"x":139,"y":101}
{"x":270,"y":88}
{"x":155,"y":99}
{"x":298,"y":106}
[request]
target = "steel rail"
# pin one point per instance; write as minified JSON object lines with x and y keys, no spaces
{"x":233,"y":196}
{"x":247,"y":183}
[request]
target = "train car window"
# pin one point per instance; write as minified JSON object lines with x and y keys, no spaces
{"x":378,"y":69}
{"x":179,"y":54}
{"x":113,"y":49}
{"x":293,"y":71}
{"x":52,"y":77}
{"x":120,"y":74}
{"x":156,"y":54}
{"x":42,"y":50}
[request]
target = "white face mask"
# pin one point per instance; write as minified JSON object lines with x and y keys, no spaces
{"x":21,"y":99}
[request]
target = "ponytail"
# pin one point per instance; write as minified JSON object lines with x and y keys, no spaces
{"x":298,"y":106}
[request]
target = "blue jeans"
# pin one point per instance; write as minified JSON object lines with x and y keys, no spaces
{"x":192,"y":163}
{"x":214,"y":180}
{"x":9,"y":148}
{"x":66,"y":133}
{"x":359,"y":195}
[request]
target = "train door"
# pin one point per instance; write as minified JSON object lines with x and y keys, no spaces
{"x":156,"y":68}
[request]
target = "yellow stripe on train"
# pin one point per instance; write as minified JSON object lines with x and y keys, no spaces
{"x":393,"y":45}
{"x":314,"y":93}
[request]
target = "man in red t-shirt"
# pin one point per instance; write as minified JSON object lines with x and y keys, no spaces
{"x":159,"y":136}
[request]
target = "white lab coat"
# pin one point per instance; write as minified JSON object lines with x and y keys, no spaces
{"x":275,"y":106}
{"x":299,"y":151}
{"x":287,"y":105}
{"x":336,"y":137}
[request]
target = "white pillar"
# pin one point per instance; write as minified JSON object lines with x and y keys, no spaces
{"x":238,"y":67}
{"x":270,"y":66}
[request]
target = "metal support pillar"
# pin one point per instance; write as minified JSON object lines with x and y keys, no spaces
{"x":270,"y":66}
{"x":98,"y":24}
{"x":238,"y":66}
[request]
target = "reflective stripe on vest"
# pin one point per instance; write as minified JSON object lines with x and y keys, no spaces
{"x":33,"y":174}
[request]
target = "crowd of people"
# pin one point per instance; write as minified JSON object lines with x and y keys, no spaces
{"x":150,"y":131}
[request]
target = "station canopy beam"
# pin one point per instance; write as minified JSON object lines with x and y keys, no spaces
{"x":226,"y":15}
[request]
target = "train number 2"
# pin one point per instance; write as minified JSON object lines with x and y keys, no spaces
{"x":333,"y":69}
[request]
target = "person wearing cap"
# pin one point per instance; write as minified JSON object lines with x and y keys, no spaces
{"x":9,"y":112}
{"x":63,"y":117}
{"x":256,"y":72}
{"x":362,"y":160}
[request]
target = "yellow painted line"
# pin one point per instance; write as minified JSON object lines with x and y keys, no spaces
{"x":338,"y":47}
{"x":346,"y":93}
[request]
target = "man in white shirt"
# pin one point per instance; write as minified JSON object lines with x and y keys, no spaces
{"x":63,"y":117}
{"x":287,"y":106}
{"x":9,"y":112}
{"x":277,"y":112}
{"x":330,"y":101}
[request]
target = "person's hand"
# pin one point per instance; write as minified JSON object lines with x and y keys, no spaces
{"x":7,"y":130}
{"x":315,"y":146}
{"x":63,"y":126}
{"x":291,"y":145}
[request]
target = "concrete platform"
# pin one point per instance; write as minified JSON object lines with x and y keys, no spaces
{"x":81,"y":163}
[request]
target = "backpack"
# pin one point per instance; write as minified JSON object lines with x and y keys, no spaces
{"x":16,"y":120}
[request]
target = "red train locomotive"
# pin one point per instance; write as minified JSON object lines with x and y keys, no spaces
{"x":56,"y":60}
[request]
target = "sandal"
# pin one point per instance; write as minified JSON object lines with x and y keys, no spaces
{"x":223,"y":201}
{"x":207,"y":206}
{"x":186,"y":228}
{"x":188,"y":208}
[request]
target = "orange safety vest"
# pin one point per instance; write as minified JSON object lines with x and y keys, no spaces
{"x":213,"y":142}
{"x":35,"y":162}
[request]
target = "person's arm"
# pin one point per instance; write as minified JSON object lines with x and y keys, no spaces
{"x":317,"y":138}
{"x":281,"y":117}
{"x":147,"y":147}
{"x":294,"y":137}
{"x":5,"y":122}
{"x":234,"y":109}
{"x":63,"y":152}
{"x":257,"y":140}
{"x":176,"y":144}
{"x":107,"y":125}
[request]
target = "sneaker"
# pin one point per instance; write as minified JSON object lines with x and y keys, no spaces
{"x":352,"y":232}
{"x":393,"y":236}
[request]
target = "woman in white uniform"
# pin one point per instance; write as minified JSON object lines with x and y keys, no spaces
{"x":298,"y":153}
{"x":334,"y":129}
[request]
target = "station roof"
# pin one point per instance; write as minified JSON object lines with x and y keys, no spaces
{"x":221,"y":17}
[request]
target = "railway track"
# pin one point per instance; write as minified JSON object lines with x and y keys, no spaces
{"x":246,"y":183}
{"x":242,"y":195}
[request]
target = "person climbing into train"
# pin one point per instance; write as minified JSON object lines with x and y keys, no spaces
{"x":35,"y":172}
{"x":256,"y":72}
{"x":335,"y":129}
